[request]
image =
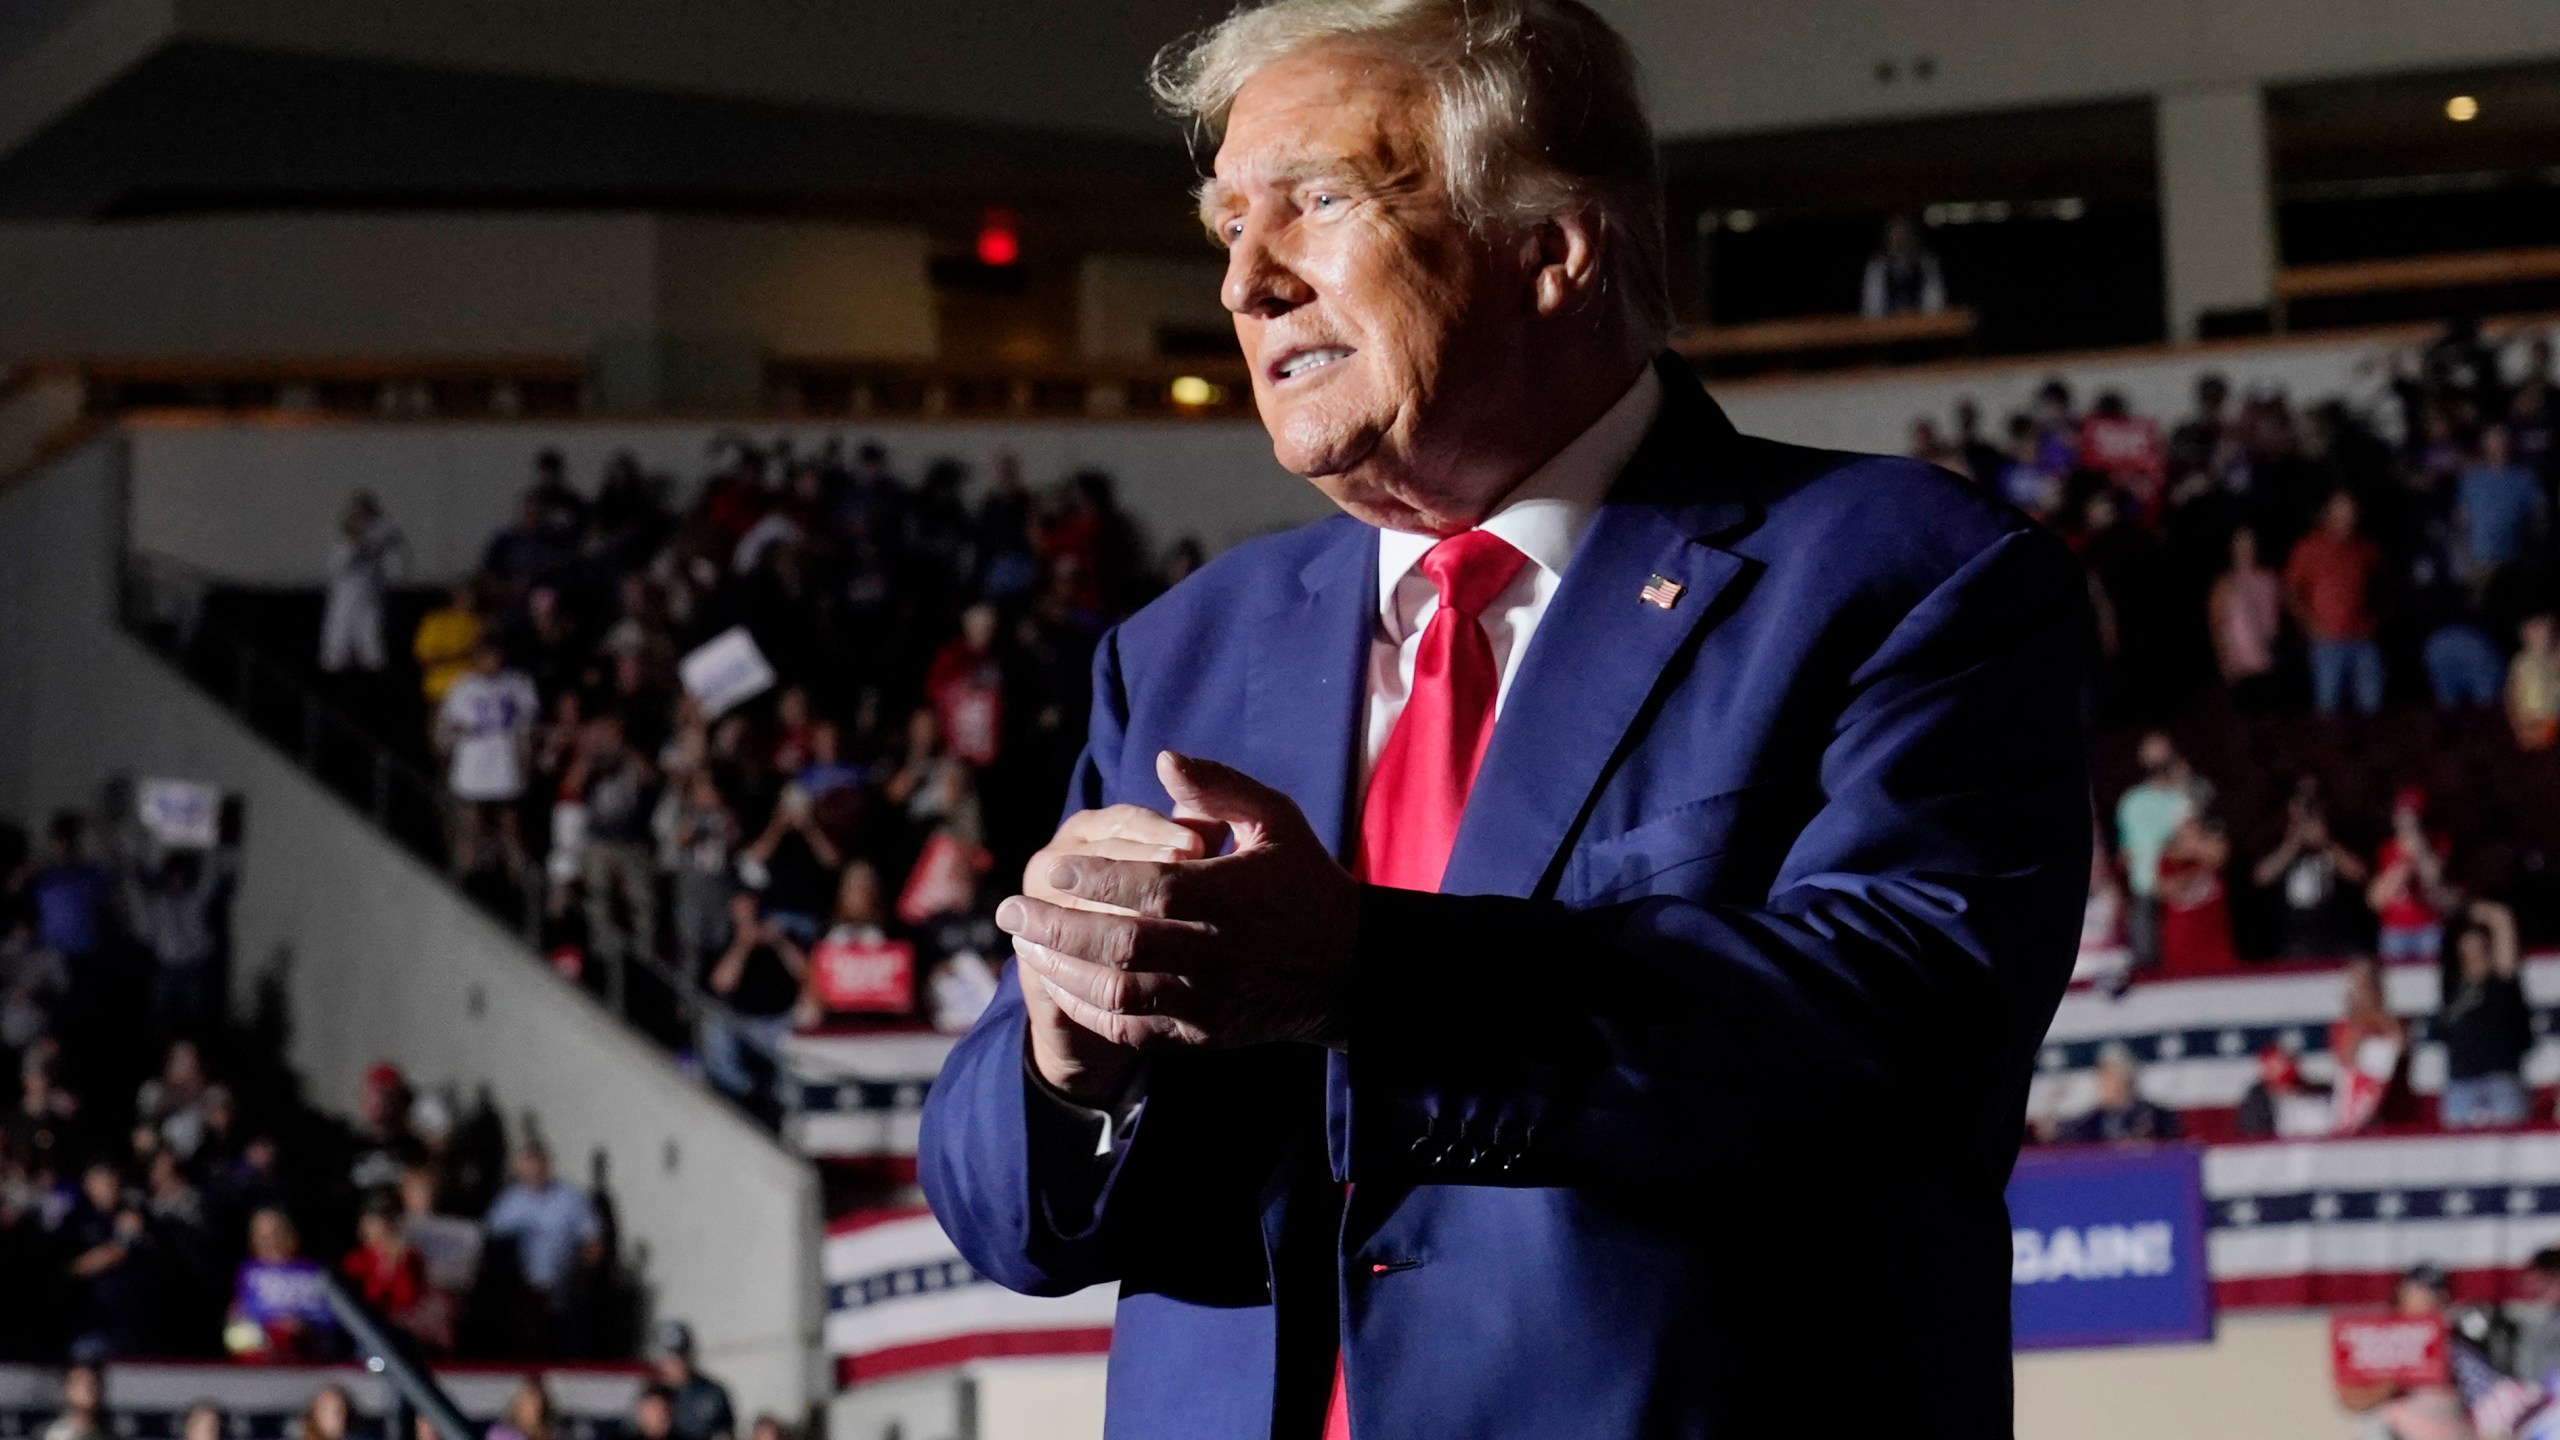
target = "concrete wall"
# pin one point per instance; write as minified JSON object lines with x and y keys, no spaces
{"x":2265,"y":1377}
{"x":325,"y":284}
{"x":256,"y":502}
{"x":456,"y":285}
{"x":1873,"y":410}
{"x":259,"y":502}
{"x":2217,"y":210}
{"x":381,"y":959}
{"x":1122,"y":301}
{"x":1031,"y":1398}
{"x":796,"y":288}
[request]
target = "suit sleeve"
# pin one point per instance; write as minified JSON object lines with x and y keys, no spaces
{"x":1904,"y":963}
{"x":1012,"y":1174}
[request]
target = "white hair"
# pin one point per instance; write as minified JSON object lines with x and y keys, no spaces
{"x":1539,"y":113}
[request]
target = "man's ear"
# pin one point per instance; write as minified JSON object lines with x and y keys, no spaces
{"x":1564,"y":262}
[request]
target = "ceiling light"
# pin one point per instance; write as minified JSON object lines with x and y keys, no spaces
{"x":2462,"y":107}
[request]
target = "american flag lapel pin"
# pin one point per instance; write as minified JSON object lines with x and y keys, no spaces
{"x":1660,"y":593}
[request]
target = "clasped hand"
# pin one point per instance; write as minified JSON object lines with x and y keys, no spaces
{"x":1136,"y":934}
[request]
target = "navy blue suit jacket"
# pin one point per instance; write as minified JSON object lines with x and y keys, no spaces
{"x":1686,"y":1108}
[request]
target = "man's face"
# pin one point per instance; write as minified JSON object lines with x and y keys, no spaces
{"x":1381,"y":332}
{"x":2157,"y":755}
{"x":2115,"y":1085}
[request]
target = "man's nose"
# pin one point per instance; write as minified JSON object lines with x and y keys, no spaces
{"x":1260,"y":281}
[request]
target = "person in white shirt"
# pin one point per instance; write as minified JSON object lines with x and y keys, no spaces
{"x":483,"y":729}
{"x":369,"y":556}
{"x":1903,"y":277}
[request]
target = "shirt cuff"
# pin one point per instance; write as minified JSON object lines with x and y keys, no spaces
{"x":1096,"y":1132}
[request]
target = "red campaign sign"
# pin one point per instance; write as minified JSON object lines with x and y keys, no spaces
{"x":2367,"y":1350}
{"x":866,"y":975}
{"x":945,"y":879}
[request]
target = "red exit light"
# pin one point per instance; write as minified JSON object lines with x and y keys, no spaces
{"x":998,"y":243}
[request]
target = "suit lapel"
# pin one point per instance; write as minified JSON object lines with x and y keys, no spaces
{"x":1602,"y":648}
{"x":1303,"y":711}
{"x":1305,"y":696}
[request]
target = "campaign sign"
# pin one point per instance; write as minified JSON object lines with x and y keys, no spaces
{"x":726,"y":671}
{"x":180,"y":814}
{"x":2369,"y":1350}
{"x":876,"y":976}
{"x":2106,"y":1247}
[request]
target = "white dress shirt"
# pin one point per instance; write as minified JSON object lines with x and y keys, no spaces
{"x":1543,"y":519}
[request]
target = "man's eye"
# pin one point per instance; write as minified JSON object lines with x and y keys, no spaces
{"x":1323,"y":200}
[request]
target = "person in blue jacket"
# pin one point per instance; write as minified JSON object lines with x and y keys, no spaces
{"x":1540,"y":952}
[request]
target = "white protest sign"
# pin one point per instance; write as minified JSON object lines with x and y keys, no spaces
{"x":180,"y":813}
{"x":726,"y":671}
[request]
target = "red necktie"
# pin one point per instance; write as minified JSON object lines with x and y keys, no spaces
{"x":1418,"y":791}
{"x":1419,"y":788}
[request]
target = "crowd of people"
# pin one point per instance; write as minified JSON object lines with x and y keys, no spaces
{"x":813,"y":842}
{"x":2501,"y":1362}
{"x":2265,"y":579}
{"x":825,"y":846}
{"x":675,"y":1400}
{"x":2340,"y":552}
{"x":166,"y":1190}
{"x":2160,"y":906}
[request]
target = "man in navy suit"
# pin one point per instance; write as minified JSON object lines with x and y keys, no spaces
{"x":1558,"y":949}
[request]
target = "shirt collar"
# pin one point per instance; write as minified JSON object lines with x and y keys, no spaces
{"x":1544,"y":517}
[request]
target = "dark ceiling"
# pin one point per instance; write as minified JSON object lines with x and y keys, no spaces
{"x":2395,"y":125}
{"x":2101,"y":151}
{"x":196,"y":128}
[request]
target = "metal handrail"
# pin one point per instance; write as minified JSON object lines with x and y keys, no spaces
{"x":250,"y":668}
{"x":414,"y":1391}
